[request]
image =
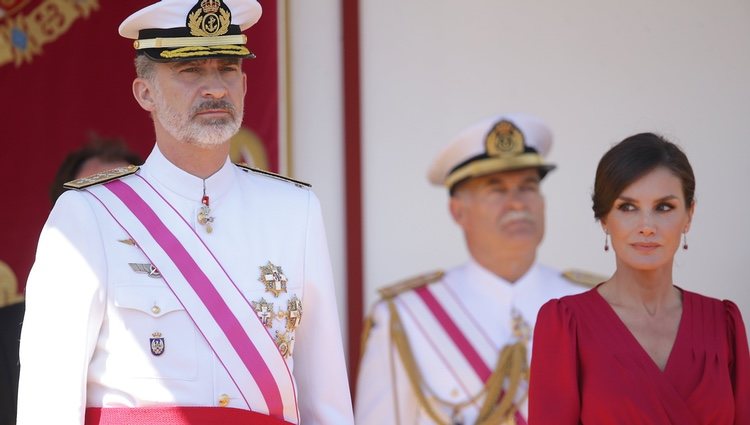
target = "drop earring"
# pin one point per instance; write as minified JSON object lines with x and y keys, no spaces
{"x":684,"y":241}
{"x":606,"y":241}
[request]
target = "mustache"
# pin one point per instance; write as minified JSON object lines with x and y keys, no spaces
{"x":512,"y":216}
{"x":214,"y":104}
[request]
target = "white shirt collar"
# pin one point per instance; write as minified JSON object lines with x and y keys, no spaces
{"x":157,"y":167}
{"x":476,"y":273}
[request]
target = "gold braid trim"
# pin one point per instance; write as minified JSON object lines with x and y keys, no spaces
{"x":512,"y":366}
{"x":398,"y":335}
{"x":498,"y":405}
{"x":192,"y":51}
{"x":366,"y":329}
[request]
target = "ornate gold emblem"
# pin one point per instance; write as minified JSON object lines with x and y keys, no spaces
{"x":505,"y":139}
{"x":284,"y":342}
{"x":209,"y":18}
{"x":293,"y":313}
{"x":157,"y":344}
{"x":264,"y":310}
{"x":22,"y":36}
{"x":273,"y":278}
{"x":521,"y":328}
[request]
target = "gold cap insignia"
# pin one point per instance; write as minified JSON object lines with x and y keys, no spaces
{"x":209,"y":18}
{"x":505,"y":139}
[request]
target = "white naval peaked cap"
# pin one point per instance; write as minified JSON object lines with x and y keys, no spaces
{"x":500,"y":143}
{"x":172,"y":30}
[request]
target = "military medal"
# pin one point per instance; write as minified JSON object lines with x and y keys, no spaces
{"x":293,"y":313}
{"x":521,"y":329}
{"x":273,"y":278}
{"x":264,"y":310}
{"x":284,"y":343}
{"x":157,"y":344}
{"x":204,"y":215}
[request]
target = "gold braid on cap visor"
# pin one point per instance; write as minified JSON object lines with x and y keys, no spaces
{"x":171,"y":42}
{"x":188,"y":52}
{"x":484,"y":166}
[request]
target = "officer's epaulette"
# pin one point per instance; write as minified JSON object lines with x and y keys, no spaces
{"x":583,"y":277}
{"x":274,"y":175}
{"x":409,"y":284}
{"x":101,"y":177}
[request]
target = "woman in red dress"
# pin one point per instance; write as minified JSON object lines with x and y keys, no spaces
{"x":637,"y":349}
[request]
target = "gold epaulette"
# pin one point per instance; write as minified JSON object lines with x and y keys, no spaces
{"x":583,"y":277}
{"x":298,"y":183}
{"x":409,"y":284}
{"x":101,"y":177}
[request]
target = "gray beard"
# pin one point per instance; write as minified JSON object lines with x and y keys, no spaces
{"x":185,"y":128}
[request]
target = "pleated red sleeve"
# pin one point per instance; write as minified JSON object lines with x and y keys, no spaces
{"x":554,"y":394}
{"x":739,"y":364}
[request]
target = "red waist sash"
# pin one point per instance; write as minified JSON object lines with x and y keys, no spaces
{"x":177,"y":416}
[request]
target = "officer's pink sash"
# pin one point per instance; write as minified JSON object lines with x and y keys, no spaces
{"x":177,"y":416}
{"x":215,"y":304}
{"x":463,"y":345}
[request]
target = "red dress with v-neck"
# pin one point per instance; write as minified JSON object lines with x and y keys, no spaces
{"x":587,"y":368}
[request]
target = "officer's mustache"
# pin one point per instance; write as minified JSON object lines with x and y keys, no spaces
{"x":212,"y":105}
{"x":512,"y":216}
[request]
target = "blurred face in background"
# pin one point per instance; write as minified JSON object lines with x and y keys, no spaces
{"x":503,"y":211}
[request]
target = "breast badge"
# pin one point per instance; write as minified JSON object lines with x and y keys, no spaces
{"x":146,"y":268}
{"x":293,"y":313}
{"x":272,"y":277}
{"x":284,"y":342}
{"x":157,"y":344}
{"x":264,"y":310}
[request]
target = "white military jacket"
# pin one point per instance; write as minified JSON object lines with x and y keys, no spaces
{"x":91,"y":317}
{"x":481,"y":305}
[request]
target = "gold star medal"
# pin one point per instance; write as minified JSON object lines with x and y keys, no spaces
{"x":273,"y":278}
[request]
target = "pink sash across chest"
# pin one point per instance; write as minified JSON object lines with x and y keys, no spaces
{"x":212,"y":300}
{"x":458,"y":337}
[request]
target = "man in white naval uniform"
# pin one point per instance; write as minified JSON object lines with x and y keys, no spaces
{"x":189,"y":290}
{"x":452,"y":347}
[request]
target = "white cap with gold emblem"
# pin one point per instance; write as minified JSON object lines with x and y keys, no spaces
{"x":500,"y":143}
{"x":192,"y":29}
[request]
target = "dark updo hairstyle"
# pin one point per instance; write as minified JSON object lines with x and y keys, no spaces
{"x":633,"y":158}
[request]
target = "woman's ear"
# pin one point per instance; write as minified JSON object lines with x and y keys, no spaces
{"x":690,"y":212}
